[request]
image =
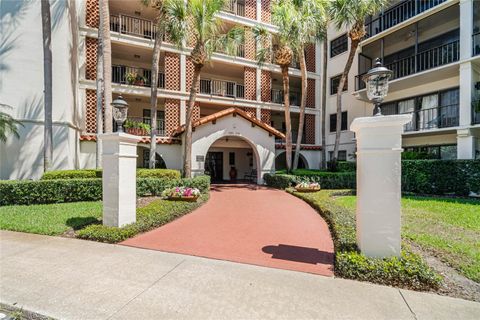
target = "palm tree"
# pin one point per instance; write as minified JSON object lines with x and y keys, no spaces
{"x":47,"y":83}
{"x":158,"y":5}
{"x":324,"y":99}
{"x":197,"y":20}
{"x":311,"y":26}
{"x":99,"y":85}
{"x":107,"y":63}
{"x":351,"y":15}
{"x":8,"y":125}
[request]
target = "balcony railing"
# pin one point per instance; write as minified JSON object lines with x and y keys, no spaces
{"x":476,"y":43}
{"x":277,"y":97}
{"x":434,"y":118}
{"x":398,"y":13}
{"x":222,"y":88}
{"x":425,"y":60}
{"x":294,"y":138}
{"x":476,"y":112}
{"x":132,"y":26}
{"x":133,"y":126}
{"x":240,"y":52}
{"x":135,"y":76}
{"x":235,"y":7}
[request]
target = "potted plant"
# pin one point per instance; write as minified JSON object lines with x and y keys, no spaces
{"x":136,"y":128}
{"x":181,"y":194}
{"x":307,"y":187}
{"x":130,"y":77}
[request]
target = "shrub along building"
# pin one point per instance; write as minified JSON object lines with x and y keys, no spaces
{"x":433,"y":56}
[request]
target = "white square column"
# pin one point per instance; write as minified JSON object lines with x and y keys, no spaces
{"x":119,"y":178}
{"x":465,"y":144}
{"x":379,"y":166}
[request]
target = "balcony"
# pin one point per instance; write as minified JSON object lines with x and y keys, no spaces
{"x":277,"y":97}
{"x":222,"y":88}
{"x":398,"y":13}
{"x":141,"y":126}
{"x":294,"y":138}
{"x":434,"y":118}
{"x":240,"y":52}
{"x":476,"y":44}
{"x":235,"y":7}
{"x":132,"y":26}
{"x":476,"y":112}
{"x":422,"y":61}
{"x":135,"y":76}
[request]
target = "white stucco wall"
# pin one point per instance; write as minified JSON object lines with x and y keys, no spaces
{"x":262,"y":144}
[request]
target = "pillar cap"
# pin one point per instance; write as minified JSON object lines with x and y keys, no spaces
{"x":119,"y":136}
{"x":380,"y":121}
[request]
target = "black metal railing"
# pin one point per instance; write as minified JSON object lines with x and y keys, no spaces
{"x":141,"y":126}
{"x":434,"y":118}
{"x":398,"y":13}
{"x":235,"y":7}
{"x":294,"y":138}
{"x":425,"y":60}
{"x":135,"y":76}
{"x":476,"y":112}
{"x":240,"y":51}
{"x":132,"y":26}
{"x":277,"y":97}
{"x":222,"y":88}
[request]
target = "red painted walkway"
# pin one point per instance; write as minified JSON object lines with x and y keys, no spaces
{"x":252,"y":225}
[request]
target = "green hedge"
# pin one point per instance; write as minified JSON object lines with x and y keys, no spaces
{"x":97,"y":173}
{"x":72,"y":190}
{"x":408,"y":271}
{"x":327,"y":180}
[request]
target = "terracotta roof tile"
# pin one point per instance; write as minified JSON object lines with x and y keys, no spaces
{"x":160,"y":140}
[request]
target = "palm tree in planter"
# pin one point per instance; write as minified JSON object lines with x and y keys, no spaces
{"x":158,"y":32}
{"x":351,"y":15}
{"x":311,"y":26}
{"x":196,"y":22}
{"x":283,"y":45}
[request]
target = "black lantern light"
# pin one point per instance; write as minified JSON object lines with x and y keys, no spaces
{"x":120,"y":109}
{"x":376,"y":80}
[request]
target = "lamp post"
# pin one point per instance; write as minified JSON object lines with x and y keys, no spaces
{"x":120,"y":110}
{"x":376,"y":80}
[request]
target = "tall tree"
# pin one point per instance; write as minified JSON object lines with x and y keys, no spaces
{"x":311,"y":26}
{"x":107,"y":64}
{"x":350,"y":15}
{"x":197,"y":22}
{"x":99,"y":84}
{"x":158,"y":32}
{"x":324,"y":99}
{"x":47,"y":84}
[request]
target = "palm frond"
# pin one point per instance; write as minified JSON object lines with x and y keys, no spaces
{"x":176,"y":22}
{"x":8,"y":125}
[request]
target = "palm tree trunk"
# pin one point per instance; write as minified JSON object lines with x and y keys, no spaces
{"x":343,"y":79}
{"x":153,"y":99}
{"x":288,"y":124}
{"x":303,"y":103}
{"x":107,"y":64}
{"x":99,"y":82}
{"x":324,"y":102}
{"x":47,"y":82}
{"x":187,"y":154}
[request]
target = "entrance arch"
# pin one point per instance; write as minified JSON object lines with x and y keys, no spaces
{"x":281,"y":161}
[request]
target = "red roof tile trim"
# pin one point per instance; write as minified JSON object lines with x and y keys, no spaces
{"x":160,"y":140}
{"x":227,"y":112}
{"x":302,"y":147}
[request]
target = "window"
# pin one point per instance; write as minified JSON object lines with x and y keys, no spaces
{"x":338,"y":45}
{"x":334,"y":82}
{"x":342,"y":155}
{"x":333,"y":121}
{"x":443,"y":152}
{"x":231,"y":158}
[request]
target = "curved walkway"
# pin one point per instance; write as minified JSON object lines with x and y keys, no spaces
{"x":249,"y":224}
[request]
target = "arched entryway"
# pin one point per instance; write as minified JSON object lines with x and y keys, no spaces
{"x":143,"y":154}
{"x":232,"y":159}
{"x":281,"y":161}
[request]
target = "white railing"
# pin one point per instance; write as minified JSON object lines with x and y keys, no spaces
{"x":222,"y":88}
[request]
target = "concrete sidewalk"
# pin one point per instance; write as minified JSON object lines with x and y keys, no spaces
{"x":75,"y":279}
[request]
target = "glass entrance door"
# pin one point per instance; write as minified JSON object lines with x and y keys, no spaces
{"x":214,"y":165}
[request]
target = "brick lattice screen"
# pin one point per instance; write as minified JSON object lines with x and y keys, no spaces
{"x":250,"y":82}
{"x":266,"y":86}
{"x":172,"y":71}
{"x":266,"y":116}
{"x":251,"y":9}
{"x":91,"y":46}
{"x":250,"y":111}
{"x":311,"y":93}
{"x":196,"y":111}
{"x":91,"y":111}
{"x":310,"y":57}
{"x":189,"y":74}
{"x":172,"y":115}
{"x":266,"y":11}
{"x":91,"y":15}
{"x":310,"y":129}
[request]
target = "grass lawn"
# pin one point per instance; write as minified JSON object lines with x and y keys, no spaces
{"x":50,"y":219}
{"x":448,"y":227}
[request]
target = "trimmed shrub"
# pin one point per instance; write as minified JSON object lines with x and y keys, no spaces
{"x":408,"y":271}
{"x":97,"y":173}
{"x":71,"y":190}
{"x":279,"y":181}
{"x":327,"y":180}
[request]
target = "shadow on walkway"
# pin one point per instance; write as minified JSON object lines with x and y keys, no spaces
{"x":299,"y":254}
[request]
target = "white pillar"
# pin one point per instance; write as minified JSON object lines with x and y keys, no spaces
{"x":465,"y":144}
{"x":466,"y":94}
{"x":466,"y":29}
{"x":119,"y":178}
{"x":379,"y":146}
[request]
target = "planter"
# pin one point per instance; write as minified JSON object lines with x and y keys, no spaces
{"x":186,"y":199}
{"x":137,"y":131}
{"x":307,"y":189}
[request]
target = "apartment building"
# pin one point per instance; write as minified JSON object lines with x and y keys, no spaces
{"x":430,"y":45}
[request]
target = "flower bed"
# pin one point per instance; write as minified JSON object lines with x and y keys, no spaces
{"x":307,"y":187}
{"x":182,"y":194}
